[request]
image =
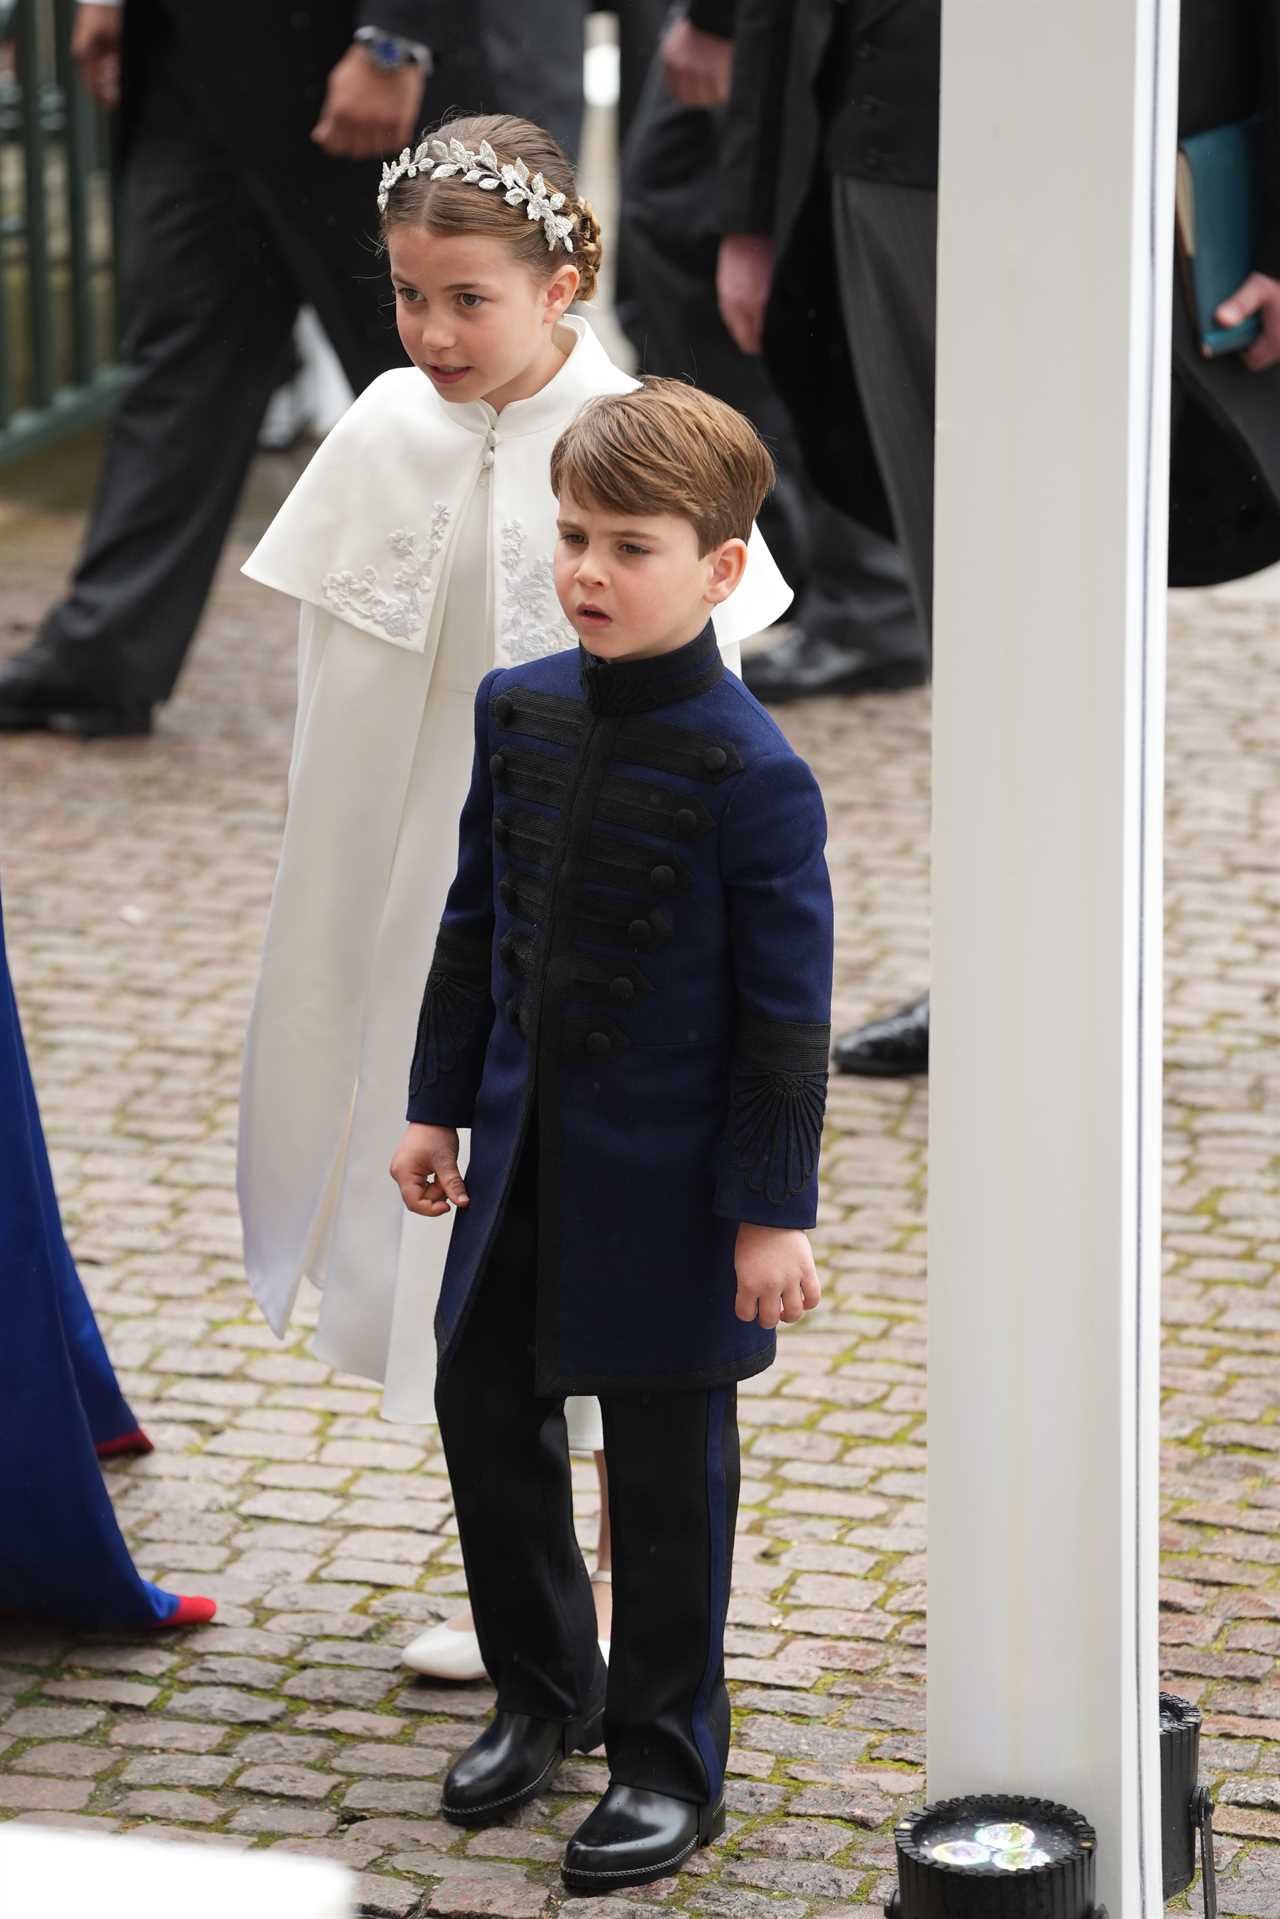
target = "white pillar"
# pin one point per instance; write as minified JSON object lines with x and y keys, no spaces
{"x":1053,"y":379}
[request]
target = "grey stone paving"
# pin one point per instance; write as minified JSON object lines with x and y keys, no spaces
{"x":136,"y":879}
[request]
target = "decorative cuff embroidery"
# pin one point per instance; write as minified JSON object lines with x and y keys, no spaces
{"x":457,"y":1008}
{"x":777,"y":1101}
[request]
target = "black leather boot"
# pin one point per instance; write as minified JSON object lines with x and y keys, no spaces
{"x":515,"y":1758}
{"x":634,"y":1836}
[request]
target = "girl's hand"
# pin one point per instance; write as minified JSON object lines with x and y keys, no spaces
{"x":425,"y":1169}
{"x":1260,"y":294}
{"x":777,"y":1279}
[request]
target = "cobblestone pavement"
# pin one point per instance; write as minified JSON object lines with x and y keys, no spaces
{"x":136,"y":881}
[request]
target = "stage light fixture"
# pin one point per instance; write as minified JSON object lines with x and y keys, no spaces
{"x":995,"y":1856}
{"x":1186,"y":1807}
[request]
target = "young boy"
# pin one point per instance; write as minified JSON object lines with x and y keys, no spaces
{"x":629,"y":1005}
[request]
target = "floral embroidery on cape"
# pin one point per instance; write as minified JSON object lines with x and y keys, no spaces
{"x":400,"y":610}
{"x":532,"y":624}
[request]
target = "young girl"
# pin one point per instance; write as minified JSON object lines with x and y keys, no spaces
{"x":419,"y":543}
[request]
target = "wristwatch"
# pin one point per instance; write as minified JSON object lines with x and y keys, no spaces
{"x":390,"y":52}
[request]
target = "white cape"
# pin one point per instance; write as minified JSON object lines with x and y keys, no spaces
{"x":392,"y":647}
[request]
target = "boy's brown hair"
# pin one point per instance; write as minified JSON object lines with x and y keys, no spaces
{"x":666,"y":448}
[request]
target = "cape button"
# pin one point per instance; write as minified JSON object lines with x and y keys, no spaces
{"x":504,"y":710}
{"x":507,"y":893}
{"x":686,"y":820}
{"x":501,"y":832}
{"x":640,"y":933}
{"x":498,"y":766}
{"x":715,"y":759}
{"x":622,"y":988}
{"x":662,"y":878}
{"x":599,"y":1045}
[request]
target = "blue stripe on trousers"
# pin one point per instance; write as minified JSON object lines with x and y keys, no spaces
{"x":718,"y":1562}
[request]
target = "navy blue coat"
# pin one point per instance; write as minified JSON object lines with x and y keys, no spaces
{"x":638,"y":942}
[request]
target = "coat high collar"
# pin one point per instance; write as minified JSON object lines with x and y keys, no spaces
{"x":585,"y":370}
{"x":618,"y":687}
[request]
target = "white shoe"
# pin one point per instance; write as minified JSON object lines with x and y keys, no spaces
{"x":445,"y":1653}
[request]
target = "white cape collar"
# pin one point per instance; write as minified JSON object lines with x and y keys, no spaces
{"x":367,"y":533}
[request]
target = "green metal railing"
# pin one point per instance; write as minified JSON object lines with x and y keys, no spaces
{"x":57,"y":282}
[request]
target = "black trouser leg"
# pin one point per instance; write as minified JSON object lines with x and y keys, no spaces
{"x":508,"y":1454}
{"x":886,"y":240}
{"x":210,"y":313}
{"x":852,"y":582}
{"x":673,"y":1504}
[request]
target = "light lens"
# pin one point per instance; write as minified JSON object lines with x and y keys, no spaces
{"x":961,"y":1852}
{"x":1020,"y":1859}
{"x":1007,"y":1838}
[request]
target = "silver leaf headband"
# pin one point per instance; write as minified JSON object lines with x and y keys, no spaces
{"x":436,"y":160}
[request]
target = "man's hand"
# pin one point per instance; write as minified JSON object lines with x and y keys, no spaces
{"x":777,"y":1278}
{"x":425,"y":1169}
{"x":697,"y":67}
{"x":95,"y":48}
{"x":744,"y":275}
{"x":367,"y":112}
{"x":1260,"y":294}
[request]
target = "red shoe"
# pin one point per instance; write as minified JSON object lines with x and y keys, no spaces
{"x":134,"y":1442}
{"x":192,"y":1611}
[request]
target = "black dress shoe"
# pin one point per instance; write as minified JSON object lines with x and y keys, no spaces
{"x":892,"y":1048}
{"x":806,"y":665}
{"x":634,"y":1836}
{"x":514,"y":1759}
{"x":102,"y":722}
{"x":35,"y":697}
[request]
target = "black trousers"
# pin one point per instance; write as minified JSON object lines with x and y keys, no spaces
{"x":673,"y":1499}
{"x":886,"y":242}
{"x":851,"y":583}
{"x":217,"y":256}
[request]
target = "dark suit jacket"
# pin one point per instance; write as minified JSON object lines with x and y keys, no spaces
{"x":775,"y":179}
{"x":796,"y":69}
{"x":255,"y":76}
{"x":636,"y":956}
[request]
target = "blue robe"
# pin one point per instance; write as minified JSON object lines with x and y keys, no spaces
{"x":62,"y":1555}
{"x":633,"y":979}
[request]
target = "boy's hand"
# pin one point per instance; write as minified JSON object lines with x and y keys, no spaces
{"x":777,"y":1278}
{"x":425,"y":1169}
